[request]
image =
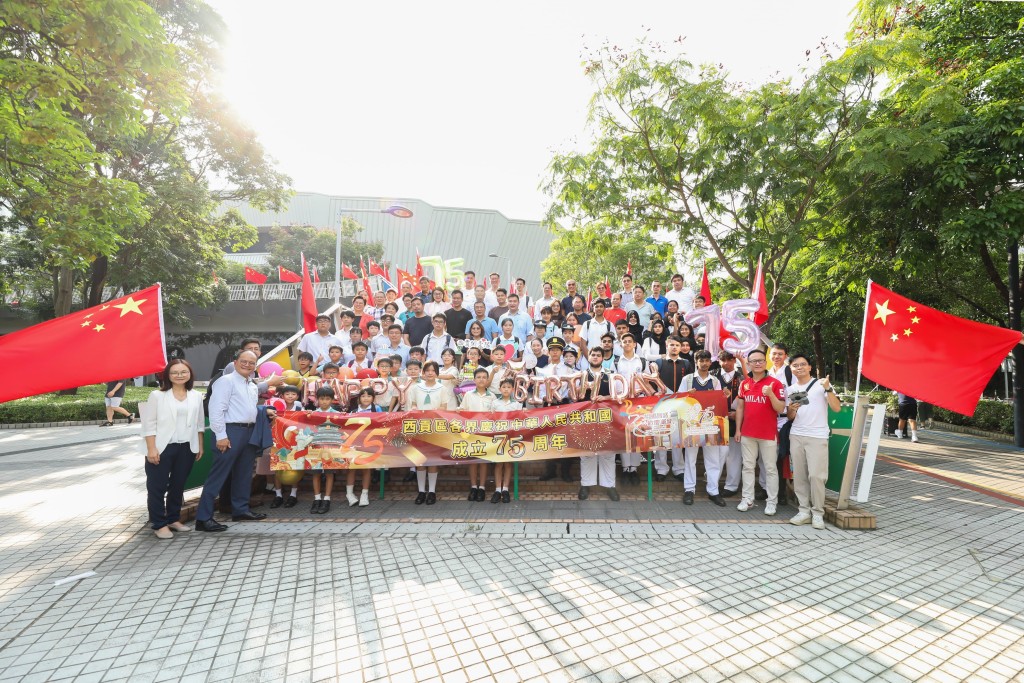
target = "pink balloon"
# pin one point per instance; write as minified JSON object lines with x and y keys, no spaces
{"x":269,"y":368}
{"x":277,"y":404}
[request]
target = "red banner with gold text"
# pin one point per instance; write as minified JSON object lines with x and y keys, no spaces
{"x":315,"y":440}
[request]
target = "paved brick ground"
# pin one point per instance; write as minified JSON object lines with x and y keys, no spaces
{"x":536,"y":590}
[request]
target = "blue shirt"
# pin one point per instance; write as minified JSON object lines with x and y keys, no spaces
{"x":233,"y":400}
{"x":522,"y":324}
{"x":491,"y":329}
{"x":660,"y":304}
{"x":401,"y":350}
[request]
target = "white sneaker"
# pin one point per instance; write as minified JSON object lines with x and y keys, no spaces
{"x":818,"y":522}
{"x":913,"y":437}
{"x":744,"y":505}
{"x":352,"y":500}
{"x":364,"y":499}
{"x":800,"y":519}
{"x":770,"y":509}
{"x":898,"y":434}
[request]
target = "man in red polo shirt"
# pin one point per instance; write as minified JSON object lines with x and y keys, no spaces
{"x":761,"y":398}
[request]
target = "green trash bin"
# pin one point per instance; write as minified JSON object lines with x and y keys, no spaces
{"x":201,"y":469}
{"x":841,"y":424}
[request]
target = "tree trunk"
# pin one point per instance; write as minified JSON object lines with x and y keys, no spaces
{"x":97,"y":278}
{"x":851,"y":358}
{"x":63,"y":292}
{"x":1013,"y":268}
{"x":819,"y":353}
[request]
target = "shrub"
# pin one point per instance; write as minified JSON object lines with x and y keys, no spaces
{"x":86,"y":404}
{"x":990,"y":416}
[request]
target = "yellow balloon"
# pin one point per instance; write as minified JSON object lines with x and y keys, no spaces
{"x":292,"y":377}
{"x":291,"y":477}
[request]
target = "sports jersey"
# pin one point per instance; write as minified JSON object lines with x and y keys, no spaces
{"x":759,"y":417}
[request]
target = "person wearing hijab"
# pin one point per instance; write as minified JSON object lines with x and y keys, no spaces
{"x":635,"y":328}
{"x":653,"y":346}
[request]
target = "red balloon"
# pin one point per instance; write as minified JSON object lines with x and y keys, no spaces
{"x":510,"y":351}
{"x":368,"y":373}
{"x":277,"y":404}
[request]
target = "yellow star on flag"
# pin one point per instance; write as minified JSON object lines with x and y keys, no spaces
{"x":88,"y":316}
{"x":895,"y":337}
{"x":883,"y":311}
{"x":86,"y":324}
{"x":130,"y":305}
{"x":99,"y":328}
{"x":915,"y":319}
{"x":907,"y":332}
{"x":911,"y":309}
{"x":104,"y":307}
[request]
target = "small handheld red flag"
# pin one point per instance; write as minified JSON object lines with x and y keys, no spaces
{"x":254,"y":276}
{"x":285,"y":275}
{"x":705,"y":286}
{"x":378,"y":270}
{"x":366,"y":282}
{"x":419,"y":266}
{"x":930,"y":355}
{"x":308,"y":299}
{"x":629,"y":267}
{"x":316,"y":276}
{"x":761,"y":315}
{"x":405,"y":276}
{"x":347,"y":273}
{"x":122,"y":338}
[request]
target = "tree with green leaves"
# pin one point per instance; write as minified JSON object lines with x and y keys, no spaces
{"x":593,"y":254}
{"x":318,"y":245}
{"x":118,"y":151}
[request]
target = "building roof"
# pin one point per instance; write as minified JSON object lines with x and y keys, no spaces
{"x":448,"y":232}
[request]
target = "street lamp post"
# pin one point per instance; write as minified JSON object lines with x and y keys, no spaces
{"x":395,"y":210}
{"x":508,"y":272}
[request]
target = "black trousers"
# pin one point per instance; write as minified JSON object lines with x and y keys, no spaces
{"x":165,"y":483}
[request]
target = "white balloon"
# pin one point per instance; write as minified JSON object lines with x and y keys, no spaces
{"x":710,"y":317}
{"x":747,"y":335}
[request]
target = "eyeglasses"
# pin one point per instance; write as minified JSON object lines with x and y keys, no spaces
{"x":183,"y":373}
{"x":247,"y":363}
{"x":756,"y":362}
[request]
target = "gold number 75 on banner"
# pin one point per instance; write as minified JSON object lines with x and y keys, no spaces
{"x":516,"y":449}
{"x":369,"y":441}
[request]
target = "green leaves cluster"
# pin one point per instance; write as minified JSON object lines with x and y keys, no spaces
{"x":115,"y":152}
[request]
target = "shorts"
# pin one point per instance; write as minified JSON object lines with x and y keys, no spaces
{"x":114,"y":402}
{"x":908,"y":412}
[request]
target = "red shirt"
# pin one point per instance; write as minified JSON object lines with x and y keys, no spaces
{"x":614,"y":315}
{"x":759,"y":418}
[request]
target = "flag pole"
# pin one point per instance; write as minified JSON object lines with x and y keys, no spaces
{"x":860,"y":415}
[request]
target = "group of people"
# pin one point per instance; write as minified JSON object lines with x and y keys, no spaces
{"x":433,"y":337}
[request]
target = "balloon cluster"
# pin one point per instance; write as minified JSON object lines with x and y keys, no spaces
{"x":743,"y":335}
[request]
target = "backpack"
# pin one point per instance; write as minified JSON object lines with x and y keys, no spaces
{"x":429,"y":337}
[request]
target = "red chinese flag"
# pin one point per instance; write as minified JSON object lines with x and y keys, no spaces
{"x":761,"y":315}
{"x":705,"y":287}
{"x":122,"y":338}
{"x":285,"y":275}
{"x":419,"y":267}
{"x":405,"y":276}
{"x":347,"y":273}
{"x":308,"y":299}
{"x":629,"y":267}
{"x":316,"y":276}
{"x":930,"y":355}
{"x":366,"y":282}
{"x":378,"y":271}
{"x":254,"y":276}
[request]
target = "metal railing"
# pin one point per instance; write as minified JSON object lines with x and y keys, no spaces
{"x":293,"y":290}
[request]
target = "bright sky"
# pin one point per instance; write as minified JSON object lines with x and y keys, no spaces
{"x":463,"y":103}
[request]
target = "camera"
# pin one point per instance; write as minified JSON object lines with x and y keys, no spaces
{"x":799,"y":398}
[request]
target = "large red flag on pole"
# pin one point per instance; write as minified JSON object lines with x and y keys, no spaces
{"x":930,"y":355}
{"x":122,"y":338}
{"x":254,"y":276}
{"x":285,"y":275}
{"x":347,"y":273}
{"x":705,"y":286}
{"x":366,"y":282}
{"x":309,"y":311}
{"x":419,"y":267}
{"x":761,"y":315}
{"x":405,"y":276}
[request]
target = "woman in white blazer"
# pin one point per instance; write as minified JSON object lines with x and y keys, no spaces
{"x":173,"y":428}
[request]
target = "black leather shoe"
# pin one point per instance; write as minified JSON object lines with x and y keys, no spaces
{"x":506,"y":497}
{"x":727,"y":493}
{"x":472,"y":494}
{"x":276,"y":503}
{"x":420,"y":498}
{"x":409,"y":476}
{"x":760,"y":494}
{"x":613,"y":494}
{"x":717,"y":500}
{"x":496,"y":498}
{"x":680,"y":477}
{"x":314,"y":509}
{"x":251,"y":517}
{"x":659,"y":477}
{"x":431,"y":498}
{"x":688,"y":498}
{"x":210,"y":525}
{"x":325,"y":507}
{"x":584,"y":493}
{"x":290,"y":501}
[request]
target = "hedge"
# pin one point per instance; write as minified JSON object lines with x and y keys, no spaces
{"x":990,"y":416}
{"x":86,"y":404}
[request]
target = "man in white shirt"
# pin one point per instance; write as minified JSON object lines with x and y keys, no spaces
{"x":592,"y":330}
{"x":546,"y":300}
{"x":491,"y":296}
{"x":438,"y":340}
{"x":730,"y":376}
{"x":680,"y":294}
{"x":809,"y":403}
{"x":702,"y":380}
{"x":480,"y":294}
{"x":778,"y":367}
{"x":319,"y":342}
{"x":629,"y":364}
{"x":556,"y":367}
{"x":525,"y":300}
{"x":642,"y":307}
